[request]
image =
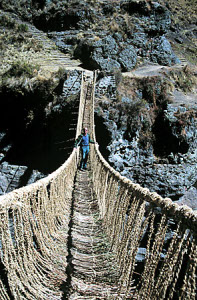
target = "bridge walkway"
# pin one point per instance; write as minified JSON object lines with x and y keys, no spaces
{"x":92,"y":268}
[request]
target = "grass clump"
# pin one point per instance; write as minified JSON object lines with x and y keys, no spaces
{"x":184,"y":79}
{"x":22,"y":27}
{"x":7,"y":22}
{"x":10,"y":23}
{"x":20,"y":68}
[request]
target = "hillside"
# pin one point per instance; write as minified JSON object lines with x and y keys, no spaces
{"x":183,"y":32}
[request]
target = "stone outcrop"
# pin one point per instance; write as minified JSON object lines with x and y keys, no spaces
{"x":10,"y":176}
{"x":126,"y":33}
{"x":43,"y":121}
{"x":152,"y":133}
{"x":189,"y":198}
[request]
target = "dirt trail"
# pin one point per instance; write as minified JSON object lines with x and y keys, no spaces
{"x":178,"y":97}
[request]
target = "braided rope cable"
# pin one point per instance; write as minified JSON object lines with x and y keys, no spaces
{"x":123,"y":208}
{"x":153,"y":260}
{"x":172,"y":258}
{"x":34,"y":229}
{"x":189,"y":283}
{"x":3,"y":293}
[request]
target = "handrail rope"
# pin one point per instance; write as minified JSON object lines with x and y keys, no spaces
{"x":81,"y":107}
{"x":130,"y":212}
{"x":183,"y":213}
{"x":33,"y":231}
{"x":80,"y":113}
{"x":33,"y":186}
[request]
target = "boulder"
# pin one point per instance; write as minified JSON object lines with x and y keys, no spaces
{"x":189,"y":198}
{"x":3,"y":183}
{"x":160,"y":51}
{"x":128,"y":58}
{"x":106,"y":54}
{"x":35,"y":175}
{"x":10,"y":177}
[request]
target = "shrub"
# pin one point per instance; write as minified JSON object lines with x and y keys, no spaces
{"x":184,"y":79}
{"x":20,"y":68}
{"x":61,"y":73}
{"x":114,"y":26}
{"x":7,"y":22}
{"x":22,"y":27}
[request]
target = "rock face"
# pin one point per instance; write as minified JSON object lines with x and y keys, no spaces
{"x":152,"y":137}
{"x":105,"y":54}
{"x":145,"y":39}
{"x":141,"y":24}
{"x":189,"y":199}
{"x":126,"y":33}
{"x":48,"y":142}
{"x":10,"y":176}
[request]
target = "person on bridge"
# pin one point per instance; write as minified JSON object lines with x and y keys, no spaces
{"x":84,"y":140}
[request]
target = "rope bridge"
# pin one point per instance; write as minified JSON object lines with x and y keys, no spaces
{"x":96,"y":231}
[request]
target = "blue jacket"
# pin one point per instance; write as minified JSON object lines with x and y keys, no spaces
{"x":78,"y":141}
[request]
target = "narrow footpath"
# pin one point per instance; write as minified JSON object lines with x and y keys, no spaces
{"x":92,"y":270}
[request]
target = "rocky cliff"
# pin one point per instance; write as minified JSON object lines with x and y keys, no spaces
{"x":152,"y":127}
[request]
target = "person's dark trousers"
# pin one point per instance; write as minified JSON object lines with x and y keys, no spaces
{"x":84,"y":152}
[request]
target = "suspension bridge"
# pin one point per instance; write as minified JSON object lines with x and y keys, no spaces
{"x":94,"y":234}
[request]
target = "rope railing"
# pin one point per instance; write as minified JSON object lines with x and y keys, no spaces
{"x":33,"y":232}
{"x":154,"y":239}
